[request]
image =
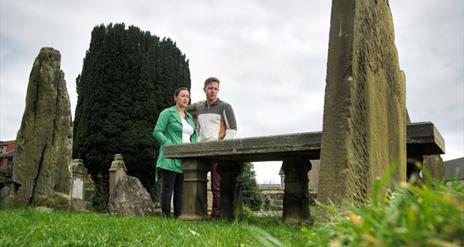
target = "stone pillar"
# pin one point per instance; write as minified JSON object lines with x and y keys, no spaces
{"x":364,"y":127}
{"x":433,"y":168}
{"x":231,"y":194}
{"x":117,"y":170}
{"x":282,"y":178}
{"x":195,"y":206}
{"x":44,"y":140}
{"x":79,"y":172}
{"x":296,"y":194}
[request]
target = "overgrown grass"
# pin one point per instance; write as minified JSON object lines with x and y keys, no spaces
{"x":432,"y":215}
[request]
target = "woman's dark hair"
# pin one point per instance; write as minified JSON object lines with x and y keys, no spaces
{"x":176,"y":93}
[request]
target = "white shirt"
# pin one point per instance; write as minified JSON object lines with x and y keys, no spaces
{"x":187,"y":131}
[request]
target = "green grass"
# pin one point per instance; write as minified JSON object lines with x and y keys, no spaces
{"x":29,"y":227}
{"x":432,"y":215}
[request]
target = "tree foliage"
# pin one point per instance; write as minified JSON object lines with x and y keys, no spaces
{"x":250,"y":191}
{"x":127,"y":79}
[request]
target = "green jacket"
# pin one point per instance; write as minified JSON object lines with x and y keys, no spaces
{"x":168,"y":130}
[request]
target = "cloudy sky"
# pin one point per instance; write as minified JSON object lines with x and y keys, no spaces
{"x":270,"y":55}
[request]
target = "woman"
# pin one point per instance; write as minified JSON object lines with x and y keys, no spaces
{"x":175,"y":125}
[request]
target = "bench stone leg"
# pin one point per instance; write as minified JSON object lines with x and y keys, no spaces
{"x":296,"y":194}
{"x":195,"y":191}
{"x":231,"y":195}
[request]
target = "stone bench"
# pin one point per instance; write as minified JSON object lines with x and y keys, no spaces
{"x":295,"y":150}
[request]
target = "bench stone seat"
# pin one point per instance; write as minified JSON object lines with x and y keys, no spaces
{"x":263,"y":148}
{"x":295,"y":150}
{"x":423,"y":138}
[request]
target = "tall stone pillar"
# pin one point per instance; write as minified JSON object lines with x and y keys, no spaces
{"x":78,"y":174}
{"x":117,"y":170}
{"x":364,"y":126}
{"x":44,"y":140}
{"x":195,"y":206}
{"x":296,"y":193}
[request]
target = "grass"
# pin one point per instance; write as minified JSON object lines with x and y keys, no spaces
{"x":30,"y":227}
{"x":432,"y":215}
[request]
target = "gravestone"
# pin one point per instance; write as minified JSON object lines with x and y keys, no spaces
{"x":79,"y":172}
{"x":117,"y":170}
{"x":130,"y":198}
{"x":364,"y":125}
{"x":44,"y":140}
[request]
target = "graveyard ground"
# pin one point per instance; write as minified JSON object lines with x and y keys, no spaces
{"x":432,"y":215}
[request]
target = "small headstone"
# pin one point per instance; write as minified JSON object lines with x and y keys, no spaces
{"x":130,"y":198}
{"x":79,"y":172}
{"x":117,"y":170}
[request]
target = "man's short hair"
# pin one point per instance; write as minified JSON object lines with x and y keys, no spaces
{"x":211,"y":80}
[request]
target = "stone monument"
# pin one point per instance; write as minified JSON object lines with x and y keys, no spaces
{"x":44,"y":140}
{"x":364,"y":125}
{"x":77,"y":197}
{"x":117,"y":170}
{"x":130,"y":198}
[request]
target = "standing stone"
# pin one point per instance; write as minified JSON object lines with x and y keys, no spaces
{"x":44,"y":141}
{"x":364,"y":127}
{"x":117,"y":170}
{"x":77,"y":198}
{"x":130,"y":198}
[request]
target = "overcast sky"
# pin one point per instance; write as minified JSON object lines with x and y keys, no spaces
{"x":270,"y":56}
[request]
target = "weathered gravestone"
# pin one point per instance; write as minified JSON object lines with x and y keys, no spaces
{"x":364,"y":122}
{"x":44,"y":141}
{"x":130,"y":198}
{"x":117,"y":170}
{"x":77,"y":198}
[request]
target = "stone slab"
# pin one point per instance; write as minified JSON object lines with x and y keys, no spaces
{"x":422,"y":138}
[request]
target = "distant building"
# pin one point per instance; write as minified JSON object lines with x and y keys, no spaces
{"x":454,"y":170}
{"x":7,"y":149}
{"x":269,"y":186}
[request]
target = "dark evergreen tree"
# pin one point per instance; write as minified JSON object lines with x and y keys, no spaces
{"x":250,"y":192}
{"x":128,"y":78}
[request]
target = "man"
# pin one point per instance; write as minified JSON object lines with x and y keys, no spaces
{"x":215,"y":121}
